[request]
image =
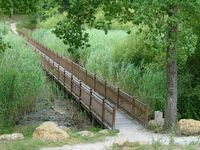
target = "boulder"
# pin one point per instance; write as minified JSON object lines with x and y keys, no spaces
{"x":86,"y":133}
{"x":189,"y":127}
{"x":105,"y":131}
{"x":11,"y":137}
{"x":50,"y":131}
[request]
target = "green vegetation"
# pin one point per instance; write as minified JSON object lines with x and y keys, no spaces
{"x":21,"y":80}
{"x":50,"y":40}
{"x":28,"y":142}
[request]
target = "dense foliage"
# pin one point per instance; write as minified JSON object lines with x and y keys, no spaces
{"x":18,"y":7}
{"x":21,"y":80}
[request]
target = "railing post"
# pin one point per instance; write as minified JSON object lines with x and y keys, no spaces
{"x":118,"y":103}
{"x":103,"y":112}
{"x":86,"y":74}
{"x":53,"y":71}
{"x":71,"y":67}
{"x":113,"y":117}
{"x":133,"y":106}
{"x":78,"y":71}
{"x":105,"y":88}
{"x":80,"y":84}
{"x":90,"y":107}
{"x":95,"y":77}
{"x":64,"y":78}
{"x":71,"y":83}
{"x":146,"y":115}
{"x":57,"y":61}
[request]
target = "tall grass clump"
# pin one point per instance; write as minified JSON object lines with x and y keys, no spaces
{"x":98,"y":57}
{"x":21,"y":80}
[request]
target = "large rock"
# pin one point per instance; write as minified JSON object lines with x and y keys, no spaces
{"x":50,"y":131}
{"x":11,"y":137}
{"x":189,"y":127}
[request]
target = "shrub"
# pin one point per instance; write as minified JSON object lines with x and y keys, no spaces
{"x":21,"y":80}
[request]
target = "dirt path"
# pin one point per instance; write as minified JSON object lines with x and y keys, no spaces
{"x":133,"y":133}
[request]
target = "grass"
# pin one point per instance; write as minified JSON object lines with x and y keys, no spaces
{"x":21,"y":81}
{"x":154,"y":146}
{"x":47,"y":38}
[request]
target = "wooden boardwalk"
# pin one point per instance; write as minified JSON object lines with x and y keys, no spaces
{"x":110,"y":106}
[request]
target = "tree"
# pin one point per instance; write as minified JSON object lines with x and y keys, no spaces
{"x":165,"y":20}
{"x":10,"y":7}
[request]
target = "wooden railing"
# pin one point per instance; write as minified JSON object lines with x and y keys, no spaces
{"x":121,"y":99}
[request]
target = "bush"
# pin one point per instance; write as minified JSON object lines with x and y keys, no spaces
{"x":21,"y":80}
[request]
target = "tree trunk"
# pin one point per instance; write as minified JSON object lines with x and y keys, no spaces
{"x":171,"y":99}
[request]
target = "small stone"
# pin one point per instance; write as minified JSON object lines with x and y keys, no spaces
{"x":86,"y":133}
{"x":50,"y":131}
{"x":11,"y":137}
{"x":189,"y":127}
{"x":105,"y":131}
